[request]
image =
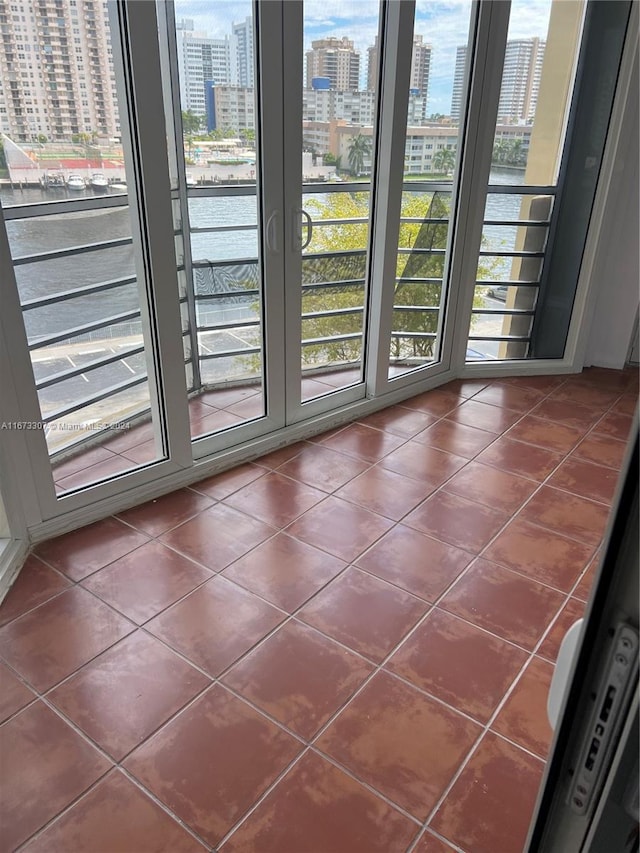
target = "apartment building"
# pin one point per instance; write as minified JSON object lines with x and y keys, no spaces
{"x":200,"y":58}
{"x":230,"y":108}
{"x":242,"y":53}
{"x":336,"y":59}
{"x":523,"y":61}
{"x":56,"y":70}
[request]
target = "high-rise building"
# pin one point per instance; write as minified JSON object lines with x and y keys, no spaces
{"x":242,"y":53}
{"x":420,"y":68}
{"x":56,"y":70}
{"x":337,"y":60}
{"x":520,"y":80}
{"x":200,"y":58}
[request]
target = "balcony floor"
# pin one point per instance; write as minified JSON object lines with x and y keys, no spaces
{"x":345,"y":646}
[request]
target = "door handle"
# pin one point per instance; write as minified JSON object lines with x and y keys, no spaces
{"x":271,"y":232}
{"x":296,"y":223}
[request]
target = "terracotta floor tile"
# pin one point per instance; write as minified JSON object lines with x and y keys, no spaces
{"x":385,"y":492}
{"x":342,"y":377}
{"x":570,"y":613}
{"x":224,"y":397}
{"x":421,"y":462}
{"x":364,"y":442}
{"x":127,"y":692}
{"x":541,"y":554}
{"x":485,"y":811}
{"x":491,"y":487}
{"x":115,"y":817}
{"x":523,"y":718}
{"x":601,"y":449}
{"x":570,"y":414}
{"x":283,"y":454}
{"x":222,"y":485}
{"x":84,"y":551}
{"x":146,"y":581}
{"x":401,"y":742}
{"x":249,"y":408}
{"x":339,"y":527}
{"x":211,"y":763}
{"x":584,"y":587}
{"x":574,"y":391}
{"x":399,"y":421}
{"x":544,"y":433}
{"x":49,"y":643}
{"x":215,"y":422}
{"x":275,"y":499}
{"x":456,"y":438}
{"x":198,"y":409}
{"x":437,"y":402}
{"x":626,"y":405}
{"x":607,"y":377}
{"x":466,"y":388}
{"x":464,"y":666}
{"x":430,"y":844}
{"x":130,"y":437}
{"x":455,"y":520}
{"x":218,"y":536}
{"x":299,"y":677}
{"x":525,"y":460}
{"x":415,"y":562}
{"x":80,"y":461}
{"x":311,"y":388}
{"x":49,"y":765}
{"x":545,"y":384}
{"x":616,"y":425}
{"x":216,"y":624}
{"x":100,"y":471}
{"x":325,"y":469}
{"x":509,"y":396}
{"x":318,"y":808}
{"x":568,"y":514}
{"x":35,"y":584}
{"x":14,"y":694}
{"x":149,"y":451}
{"x":285,"y":571}
{"x":364,"y":613}
{"x":484,"y":416}
{"x":159,"y":515}
{"x":586,"y":479}
{"x":503,"y":602}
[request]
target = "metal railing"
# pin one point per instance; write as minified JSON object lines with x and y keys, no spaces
{"x":333,"y":335}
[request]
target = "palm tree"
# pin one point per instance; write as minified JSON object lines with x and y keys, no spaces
{"x":359,"y":148}
{"x":444,"y":161}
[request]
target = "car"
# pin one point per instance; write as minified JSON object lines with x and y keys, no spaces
{"x":499,"y":292}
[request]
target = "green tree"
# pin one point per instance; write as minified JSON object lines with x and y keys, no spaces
{"x":444,"y":161}
{"x":359,"y":148}
{"x":191,"y":123}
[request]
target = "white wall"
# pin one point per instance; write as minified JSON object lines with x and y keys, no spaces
{"x":617,"y":265}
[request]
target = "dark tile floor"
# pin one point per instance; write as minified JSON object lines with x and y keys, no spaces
{"x":343,"y":648}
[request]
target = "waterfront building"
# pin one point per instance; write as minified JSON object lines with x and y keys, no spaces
{"x":200,"y":58}
{"x":336,"y":59}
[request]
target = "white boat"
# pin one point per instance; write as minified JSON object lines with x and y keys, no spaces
{"x":52,"y":181}
{"x":99,"y":182}
{"x":75,"y":182}
{"x":191,"y":181}
{"x":118,"y":187}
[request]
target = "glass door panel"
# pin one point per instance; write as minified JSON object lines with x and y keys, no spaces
{"x":339,"y":106}
{"x":76,"y":254}
{"x":434,"y":128}
{"x":224,"y":303}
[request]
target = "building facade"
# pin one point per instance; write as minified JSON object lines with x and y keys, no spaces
{"x":242,"y":53}
{"x":200,"y":58}
{"x":337,"y":60}
{"x":231,"y":108}
{"x":420,"y":69}
{"x":520,"y":80}
{"x":56,"y":70}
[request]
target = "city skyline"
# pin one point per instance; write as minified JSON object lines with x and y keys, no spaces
{"x":443,"y":24}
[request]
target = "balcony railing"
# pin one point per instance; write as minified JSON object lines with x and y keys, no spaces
{"x":223,"y":333}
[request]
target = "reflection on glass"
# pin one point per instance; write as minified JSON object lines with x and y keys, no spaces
{"x":75,"y":268}
{"x":224,"y":347}
{"x":339,"y":103}
{"x":431,"y":143}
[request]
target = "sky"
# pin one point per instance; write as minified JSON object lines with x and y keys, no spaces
{"x":444,"y":24}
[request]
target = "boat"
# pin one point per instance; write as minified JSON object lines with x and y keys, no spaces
{"x":98,"y":182}
{"x":191,"y":181}
{"x":118,"y":186}
{"x":75,"y":182}
{"x":53,"y":181}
